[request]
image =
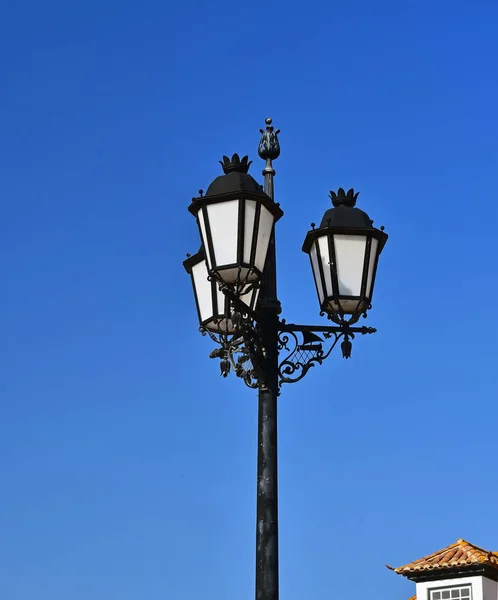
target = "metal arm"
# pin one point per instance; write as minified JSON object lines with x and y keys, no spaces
{"x":305,"y":349}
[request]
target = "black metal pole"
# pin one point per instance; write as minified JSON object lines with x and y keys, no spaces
{"x":267,"y":477}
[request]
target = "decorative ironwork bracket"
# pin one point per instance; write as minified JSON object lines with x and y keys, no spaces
{"x":301,"y":346}
{"x":305,"y":348}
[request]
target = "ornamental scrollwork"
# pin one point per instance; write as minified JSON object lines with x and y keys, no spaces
{"x":301,"y":347}
{"x":242,"y":351}
{"x":305,"y":349}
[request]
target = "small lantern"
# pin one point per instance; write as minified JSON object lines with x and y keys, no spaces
{"x":213,"y":307}
{"x":344,"y":253}
{"x":236,"y":220}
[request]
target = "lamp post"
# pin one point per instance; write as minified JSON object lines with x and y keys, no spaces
{"x":234,"y":278}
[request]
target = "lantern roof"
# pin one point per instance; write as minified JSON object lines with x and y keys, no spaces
{"x":345,"y":214}
{"x":235,"y":178}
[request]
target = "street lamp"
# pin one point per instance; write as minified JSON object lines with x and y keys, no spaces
{"x":235,"y":289}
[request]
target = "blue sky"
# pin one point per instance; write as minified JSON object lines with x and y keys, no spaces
{"x":127,"y":464}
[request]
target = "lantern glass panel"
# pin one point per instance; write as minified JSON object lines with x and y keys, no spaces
{"x":264,"y":232}
{"x":232,"y":258}
{"x":203,"y":290}
{"x":250,"y":298}
{"x":316,"y":273}
{"x":223,"y":223}
{"x":222,"y":307}
{"x":371,"y":266}
{"x":326,"y":259}
{"x":202,"y":226}
{"x":249,"y":218}
{"x":349,"y":260}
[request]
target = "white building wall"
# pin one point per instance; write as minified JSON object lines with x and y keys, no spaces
{"x":477,"y":583}
{"x":490,"y":589}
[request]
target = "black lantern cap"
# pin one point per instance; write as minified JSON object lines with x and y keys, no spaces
{"x":345,"y":218}
{"x":235,"y":183}
{"x":345,"y":214}
{"x":235,"y":179}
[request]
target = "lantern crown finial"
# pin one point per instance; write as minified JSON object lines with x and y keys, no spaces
{"x":341,"y":198}
{"x":235,"y":164}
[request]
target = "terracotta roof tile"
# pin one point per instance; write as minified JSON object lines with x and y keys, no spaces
{"x":459,"y":554}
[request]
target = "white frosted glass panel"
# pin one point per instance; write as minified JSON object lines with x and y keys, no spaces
{"x":316,"y":273}
{"x":255,"y":298}
{"x":264,"y":232}
{"x":223,"y":221}
{"x":249,"y":229}
{"x":323,"y":246}
{"x":203,"y":235}
{"x":203,"y":290}
{"x":371,"y":264}
{"x":220,"y":298}
{"x":250,"y":298}
{"x":349,"y":258}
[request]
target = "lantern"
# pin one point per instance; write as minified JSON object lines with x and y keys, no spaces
{"x":344,"y":253}
{"x":213,"y":307}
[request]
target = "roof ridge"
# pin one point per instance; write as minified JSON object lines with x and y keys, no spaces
{"x":474,"y":546}
{"x":461,"y":553}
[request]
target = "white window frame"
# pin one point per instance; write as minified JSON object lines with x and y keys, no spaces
{"x":450,"y":589}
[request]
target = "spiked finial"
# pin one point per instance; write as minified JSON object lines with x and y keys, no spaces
{"x":235,"y":164}
{"x":344,"y":199}
{"x":269,"y":146}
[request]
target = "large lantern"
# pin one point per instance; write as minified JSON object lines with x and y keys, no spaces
{"x":236,"y":220}
{"x":344,"y":253}
{"x":213,"y":307}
